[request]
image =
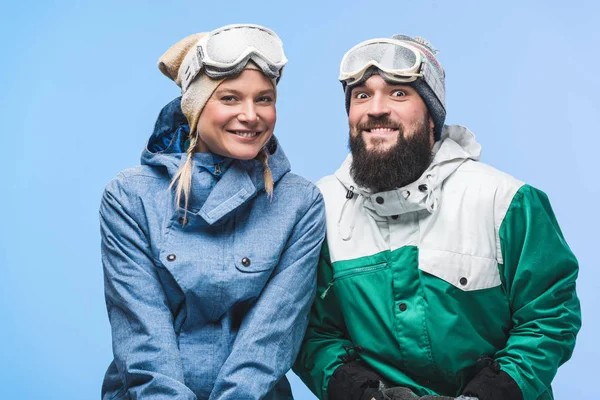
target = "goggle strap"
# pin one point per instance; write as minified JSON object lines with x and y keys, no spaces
{"x":190,"y":67}
{"x":434,"y":83}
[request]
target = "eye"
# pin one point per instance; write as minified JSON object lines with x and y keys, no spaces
{"x":265,"y":99}
{"x":361,"y":95}
{"x":228,"y":99}
{"x":398,"y":93}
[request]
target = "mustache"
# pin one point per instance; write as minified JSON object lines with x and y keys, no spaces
{"x":381,"y":122}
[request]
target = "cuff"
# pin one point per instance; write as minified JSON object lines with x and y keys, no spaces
{"x":493,"y":384}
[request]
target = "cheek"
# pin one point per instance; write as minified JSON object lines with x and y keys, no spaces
{"x":214,"y":117}
{"x":221,"y":117}
{"x":269,"y":116}
{"x":354,"y":117}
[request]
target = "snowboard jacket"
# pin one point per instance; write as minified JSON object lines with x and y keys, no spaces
{"x":212,"y":303}
{"x":426,"y":279}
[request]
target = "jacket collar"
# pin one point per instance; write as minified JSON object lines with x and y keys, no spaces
{"x":242,"y":180}
{"x":456,"y":146}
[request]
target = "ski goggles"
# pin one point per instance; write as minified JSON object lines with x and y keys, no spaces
{"x":226,"y":51}
{"x":399,"y":61}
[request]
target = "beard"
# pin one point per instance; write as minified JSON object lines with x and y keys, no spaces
{"x":401,"y":164}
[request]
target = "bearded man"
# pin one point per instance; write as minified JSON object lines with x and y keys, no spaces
{"x":440,"y":276}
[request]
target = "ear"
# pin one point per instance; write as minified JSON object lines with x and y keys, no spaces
{"x":431,"y":129}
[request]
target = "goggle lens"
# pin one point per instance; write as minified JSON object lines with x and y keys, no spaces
{"x":389,"y":57}
{"x":229,"y":45}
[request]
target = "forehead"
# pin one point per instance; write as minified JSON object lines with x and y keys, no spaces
{"x":248,"y":78}
{"x":377,"y":82}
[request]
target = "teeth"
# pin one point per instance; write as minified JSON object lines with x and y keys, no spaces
{"x":382,"y":130}
{"x":245,"y":134}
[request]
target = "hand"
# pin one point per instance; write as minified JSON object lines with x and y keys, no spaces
{"x":491,"y":383}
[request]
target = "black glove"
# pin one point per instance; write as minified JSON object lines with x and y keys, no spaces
{"x":491,"y":383}
{"x":354,"y":381}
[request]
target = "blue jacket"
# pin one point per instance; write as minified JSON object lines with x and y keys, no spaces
{"x":214,"y":307}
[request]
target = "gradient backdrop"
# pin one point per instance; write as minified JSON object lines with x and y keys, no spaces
{"x":79,"y":92}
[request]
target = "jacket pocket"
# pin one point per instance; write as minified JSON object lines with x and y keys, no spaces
{"x":338,"y":275}
{"x":352,"y":272}
{"x":251,"y":263}
{"x":253,"y":254}
{"x":463,"y":271}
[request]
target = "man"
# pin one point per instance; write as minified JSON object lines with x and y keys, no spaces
{"x":440,"y":276}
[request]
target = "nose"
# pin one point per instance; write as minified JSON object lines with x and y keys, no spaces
{"x":248,"y":113}
{"x":378,"y":106}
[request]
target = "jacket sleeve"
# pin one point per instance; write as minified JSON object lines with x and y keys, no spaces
{"x":144,"y":343}
{"x":539,"y":272}
{"x":271,"y":332}
{"x":323,"y":347}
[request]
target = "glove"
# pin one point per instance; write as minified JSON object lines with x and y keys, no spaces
{"x":354,"y":381}
{"x":491,"y":383}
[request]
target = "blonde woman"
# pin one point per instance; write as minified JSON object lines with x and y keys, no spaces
{"x":210,"y":246}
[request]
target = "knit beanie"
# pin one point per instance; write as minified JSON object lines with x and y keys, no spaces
{"x":200,"y":89}
{"x":432,"y":91}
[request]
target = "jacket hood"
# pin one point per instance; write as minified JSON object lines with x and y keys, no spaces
{"x":456,"y":146}
{"x":242,"y":180}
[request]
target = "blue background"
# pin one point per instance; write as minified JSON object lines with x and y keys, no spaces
{"x":79,"y":92}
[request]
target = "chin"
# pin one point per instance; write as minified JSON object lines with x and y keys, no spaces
{"x":379,"y":147}
{"x":244,"y":154}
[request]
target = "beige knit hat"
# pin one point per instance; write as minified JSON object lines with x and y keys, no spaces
{"x":197,"y":94}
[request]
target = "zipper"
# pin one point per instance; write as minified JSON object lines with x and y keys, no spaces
{"x":327,"y":288}
{"x":118,"y":393}
{"x":352,"y":272}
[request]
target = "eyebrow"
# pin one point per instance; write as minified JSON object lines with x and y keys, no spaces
{"x":359,"y":86}
{"x":238,"y":93}
{"x":400,"y":85}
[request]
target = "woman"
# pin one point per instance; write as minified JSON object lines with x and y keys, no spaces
{"x":210,"y":246}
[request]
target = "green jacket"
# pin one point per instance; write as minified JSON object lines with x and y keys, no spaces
{"x":466,"y":261}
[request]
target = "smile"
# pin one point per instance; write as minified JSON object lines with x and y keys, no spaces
{"x":245,"y":134}
{"x":381,"y":130}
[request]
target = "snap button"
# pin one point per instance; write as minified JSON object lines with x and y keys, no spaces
{"x":246,"y":262}
{"x":171,"y":257}
{"x":379,"y":200}
{"x":395,"y":216}
{"x":463,"y":281}
{"x":423,"y":188}
{"x":402,"y":307}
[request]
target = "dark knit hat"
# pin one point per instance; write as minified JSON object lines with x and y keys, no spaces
{"x":431,"y":87}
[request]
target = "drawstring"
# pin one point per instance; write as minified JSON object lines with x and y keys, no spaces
{"x":431,"y":201}
{"x":346,"y":225}
{"x":345,"y":231}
